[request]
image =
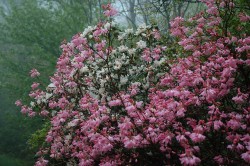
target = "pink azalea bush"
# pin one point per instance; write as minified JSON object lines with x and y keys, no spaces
{"x":118,"y":98}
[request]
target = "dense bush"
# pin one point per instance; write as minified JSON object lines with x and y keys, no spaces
{"x":120,"y":98}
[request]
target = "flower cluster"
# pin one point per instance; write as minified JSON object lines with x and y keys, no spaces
{"x":117,"y":98}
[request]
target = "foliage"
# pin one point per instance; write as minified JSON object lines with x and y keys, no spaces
{"x":47,"y":23}
{"x":14,"y":128}
{"x":30,"y":37}
{"x":9,"y":161}
{"x":37,"y":139}
{"x":118,"y":98}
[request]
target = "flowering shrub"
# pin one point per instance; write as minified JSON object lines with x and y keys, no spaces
{"x":118,"y":98}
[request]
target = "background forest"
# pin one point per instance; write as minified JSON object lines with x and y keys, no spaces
{"x":31,"y":32}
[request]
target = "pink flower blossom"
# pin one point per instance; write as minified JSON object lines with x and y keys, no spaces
{"x":217,"y":124}
{"x":41,"y":162}
{"x":189,"y":160}
{"x":197,"y":137}
{"x":31,"y":114}
{"x":246,"y":156}
{"x":18,"y":103}
{"x":243,"y":17}
{"x":233,"y":124}
{"x":109,"y":11}
{"x":213,"y":11}
{"x":25,"y":109}
{"x":34,"y":73}
{"x":116,"y":102}
{"x":34,"y":85}
{"x":219,"y":159}
{"x":44,"y":113}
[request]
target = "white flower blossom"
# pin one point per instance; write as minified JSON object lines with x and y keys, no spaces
{"x":51,"y":87}
{"x":122,"y":48}
{"x":44,"y":100}
{"x":102,"y":82}
{"x":108,"y":98}
{"x":73,"y":123}
{"x":126,"y":33}
{"x":129,"y":31}
{"x":136,"y":84}
{"x":107,"y":78}
{"x":54,"y":112}
{"x":114,"y":75}
{"x":121,"y":36}
{"x":107,"y":26}
{"x":132,"y":51}
{"x":146,"y":86}
{"x":113,"y":52}
{"x":84,"y":69}
{"x":101,"y":90}
{"x":142,"y":28}
{"x":123,"y":57}
{"x":48,"y":95}
{"x":131,"y":71}
{"x":38,"y":101}
{"x":100,"y":72}
{"x":158,"y":63}
{"x":87,"y":30}
{"x":123,"y":80}
{"x":141,"y":44}
{"x":117,"y":65}
{"x":32,"y":104}
{"x":68,"y":137}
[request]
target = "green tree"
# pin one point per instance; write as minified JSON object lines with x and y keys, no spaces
{"x":30,"y":35}
{"x":47,"y":23}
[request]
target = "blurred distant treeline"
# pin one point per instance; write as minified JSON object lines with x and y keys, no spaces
{"x":30,"y":36}
{"x":31,"y":32}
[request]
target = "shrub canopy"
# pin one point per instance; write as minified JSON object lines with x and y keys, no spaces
{"x":128,"y":98}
